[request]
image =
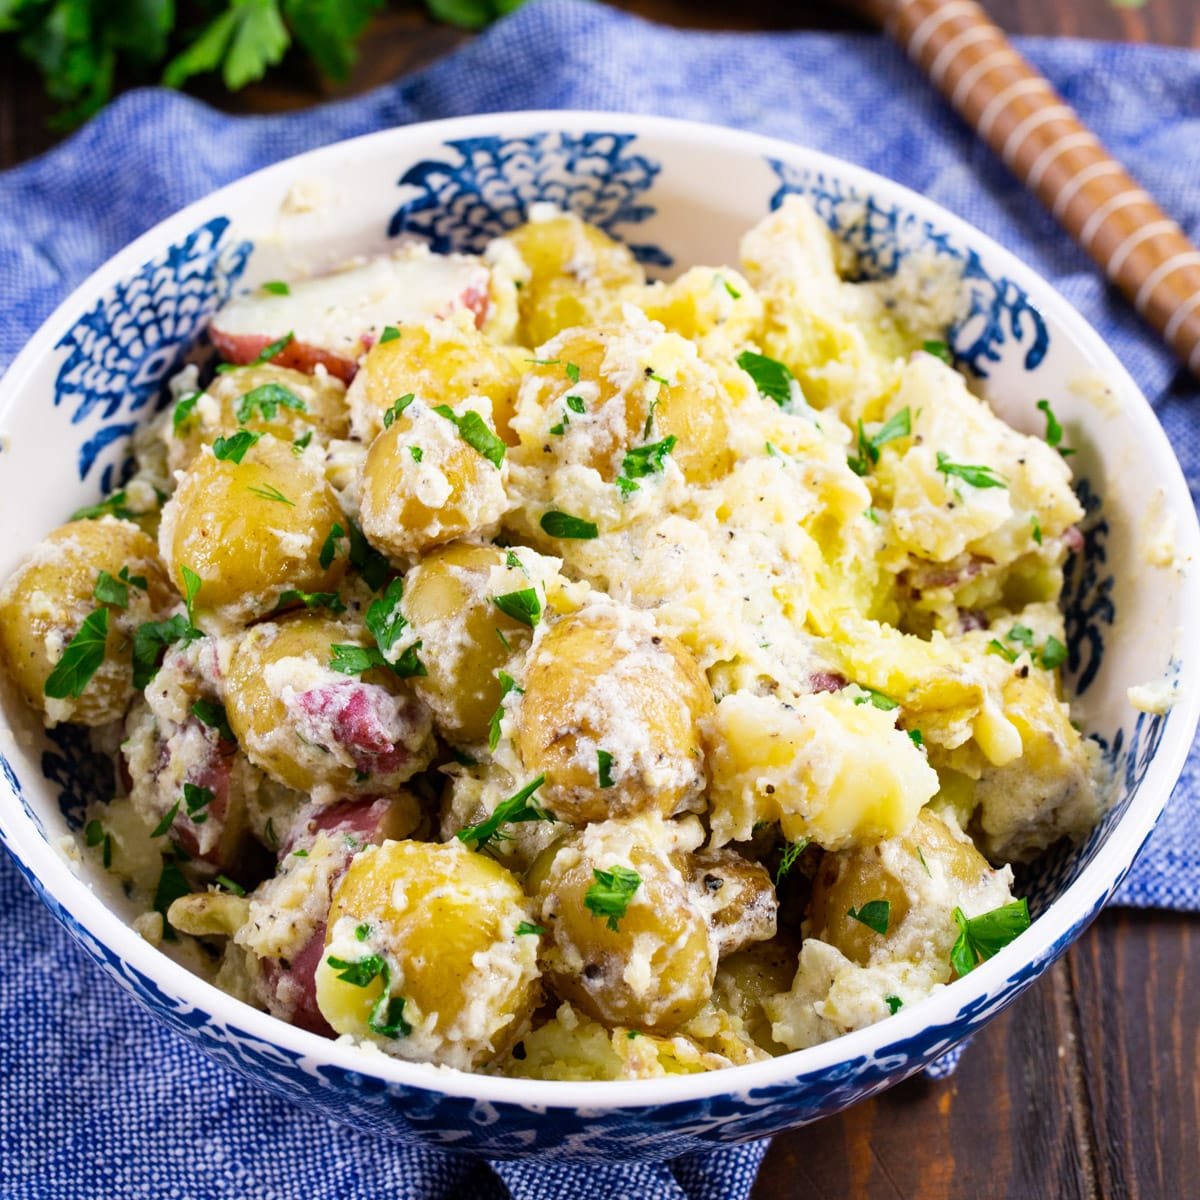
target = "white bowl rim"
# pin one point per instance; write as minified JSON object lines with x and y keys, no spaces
{"x":1036,"y":945}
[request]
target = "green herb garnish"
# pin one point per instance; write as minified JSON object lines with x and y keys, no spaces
{"x":197,"y":799}
{"x":526,"y":927}
{"x":523,"y":606}
{"x":110,"y":506}
{"x":390,"y":334}
{"x":110,"y":590}
{"x":1054,"y":431}
{"x":384,"y":619}
{"x":183,"y":412}
{"x":642,"y":461}
{"x":882,"y":702}
{"x":604,"y":762}
{"x":263,"y":357}
{"x":791,"y":852}
{"x":898,"y":425}
{"x":150,"y":641}
{"x":507,"y":684}
{"x":976,"y":476}
{"x":473,"y":430}
{"x":981,"y":937}
{"x":234,"y":447}
{"x":514,"y":810}
{"x":563,"y":525}
{"x":276,"y":287}
{"x":212,"y":714}
{"x":875,"y":915}
{"x":329,"y":600}
{"x":81,"y":659}
{"x":610,"y":895}
{"x":938,"y":350}
{"x":267,"y":399}
{"x":772,"y":378}
{"x":396,"y":409}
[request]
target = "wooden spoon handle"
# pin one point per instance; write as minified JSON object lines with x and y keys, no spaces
{"x":1041,"y":139}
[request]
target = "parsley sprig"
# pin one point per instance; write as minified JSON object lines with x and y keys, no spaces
{"x":976,"y":476}
{"x":642,"y":461}
{"x":772,"y":378}
{"x":387,"y":1013}
{"x":515,"y":810}
{"x":473,"y":430}
{"x":81,"y":659}
{"x":610,"y":895}
{"x":876,"y":915}
{"x":981,"y":937}
{"x":898,"y":425}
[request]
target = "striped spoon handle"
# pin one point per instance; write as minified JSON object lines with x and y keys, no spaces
{"x":1041,"y":139}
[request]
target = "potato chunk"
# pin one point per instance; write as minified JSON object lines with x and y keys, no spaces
{"x":424,"y":483}
{"x":611,"y":716}
{"x":629,"y":941}
{"x":45,"y":602}
{"x":252,"y":530}
{"x":440,"y":972}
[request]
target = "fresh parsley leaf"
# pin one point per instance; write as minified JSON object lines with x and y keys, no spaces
{"x":409,"y":664}
{"x":197,"y":799}
{"x":212,"y":714}
{"x":563,"y":525}
{"x":93,"y":833}
{"x":267,"y":399}
{"x":772,"y":378}
{"x":916,"y":737}
{"x":981,"y":937}
{"x":329,"y":600}
{"x":384,"y":619}
{"x":977,"y":477}
{"x":1054,"y":430}
{"x":875,"y":915}
{"x":734,"y":294}
{"x":523,"y":606}
{"x":995,"y":646}
{"x":1021,"y":634}
{"x":182,"y":414}
{"x":573,"y":375}
{"x":526,"y":927}
{"x":604,"y":762}
{"x":109,"y":590}
{"x":329,"y":546}
{"x":894,"y":1004}
{"x":882,"y":702}
{"x":610,"y":895}
{"x":354,"y":660}
{"x":390,"y":334}
{"x":473,"y":430}
{"x":367,"y":561}
{"x":363,"y":931}
{"x":642,"y":461}
{"x":138,"y":581}
{"x":81,"y":659}
{"x":416,"y":452}
{"x":1037,"y":528}
{"x":361,"y":973}
{"x":575,"y":404}
{"x":264,"y":356}
{"x":171,"y":886}
{"x":229,"y":885}
{"x":387,"y":1017}
{"x":167,"y":821}
{"x":389,"y":417}
{"x":791,"y":852}
{"x":110,"y":506}
{"x":192,"y":584}
{"x":653,"y":375}
{"x":517,"y":808}
{"x":939,"y":350}
{"x":511,"y":560}
{"x":1054,"y":654}
{"x":234,"y":447}
{"x":507,"y":684}
{"x":301,"y":443}
{"x":276,"y":287}
{"x":268,"y":491}
{"x":898,"y":425}
{"x":150,"y":641}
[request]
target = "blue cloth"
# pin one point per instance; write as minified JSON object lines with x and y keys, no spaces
{"x":100,"y":1101}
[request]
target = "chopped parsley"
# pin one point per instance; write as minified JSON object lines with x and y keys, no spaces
{"x":515,"y":809}
{"x":1054,"y":654}
{"x":362,"y":932}
{"x":791,"y":852}
{"x":81,"y":659}
{"x":354,"y":660}
{"x":507,"y":684}
{"x":171,"y":887}
{"x":772,"y":378}
{"x":898,"y":425}
{"x":573,"y":375}
{"x":367,"y":561}
{"x":110,"y":506}
{"x":329,"y":600}
{"x":191,"y":589}
{"x":268,"y":352}
{"x":212,"y":714}
{"x":610,"y":895}
{"x":361,"y":973}
{"x":384,"y":619}
{"x":1022,"y":634}
{"x":981,"y":937}
{"x":511,"y":560}
{"x":563,"y":525}
{"x":604,"y":762}
{"x":230,"y":885}
{"x":916,"y":737}
{"x":1036,"y":527}
{"x":301,"y":443}
{"x":138,"y":581}
{"x":390,"y":334}
{"x":329,"y":547}
{"x":924,"y":864}
{"x":110,"y":590}
{"x":387,"y":1013}
{"x":150,"y":641}
{"x":995,"y":646}
{"x":182,"y":414}
{"x":938,"y":350}
{"x":167,"y":821}
{"x":416,"y":452}
{"x":276,"y":287}
{"x":882,"y":702}
{"x":234,"y":447}
{"x":894,"y":1004}
{"x":267,"y":399}
{"x":473,"y":430}
{"x":976,"y":476}
{"x":268,"y":491}
{"x":96,"y":835}
{"x":1051,"y":656}
{"x":523,"y":606}
{"x":396,"y":409}
{"x":734,"y":294}
{"x":575,"y":404}
{"x":527,"y":927}
{"x":875,"y":915}
{"x":197,"y":799}
{"x":1054,"y":430}
{"x":642,"y":461}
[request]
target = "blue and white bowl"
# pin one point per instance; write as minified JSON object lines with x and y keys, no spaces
{"x":678,"y":194}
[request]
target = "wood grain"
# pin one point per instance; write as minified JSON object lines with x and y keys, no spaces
{"x":1089,"y":1086}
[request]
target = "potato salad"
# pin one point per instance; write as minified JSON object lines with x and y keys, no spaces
{"x":518,"y":666}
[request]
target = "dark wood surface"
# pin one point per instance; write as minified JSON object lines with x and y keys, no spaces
{"x":1089,"y":1086}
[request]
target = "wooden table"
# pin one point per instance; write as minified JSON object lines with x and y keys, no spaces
{"x":1089,"y":1086}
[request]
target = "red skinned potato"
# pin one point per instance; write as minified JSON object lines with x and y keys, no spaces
{"x":334,"y":319}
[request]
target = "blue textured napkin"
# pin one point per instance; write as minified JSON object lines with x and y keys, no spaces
{"x":97,"y":1099}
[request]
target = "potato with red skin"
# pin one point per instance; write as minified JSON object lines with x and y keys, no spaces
{"x":331,"y":320}
{"x":46,"y":600}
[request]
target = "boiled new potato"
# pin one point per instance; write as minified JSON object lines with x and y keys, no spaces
{"x":629,"y":942}
{"x":441,"y":362}
{"x":442,"y":971}
{"x":46,"y":601}
{"x":577,"y":275}
{"x":315,"y":728}
{"x":612,"y":716}
{"x":252,"y":530}
{"x":423,"y":483}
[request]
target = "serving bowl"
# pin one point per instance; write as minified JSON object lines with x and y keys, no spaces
{"x":678,"y":194}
